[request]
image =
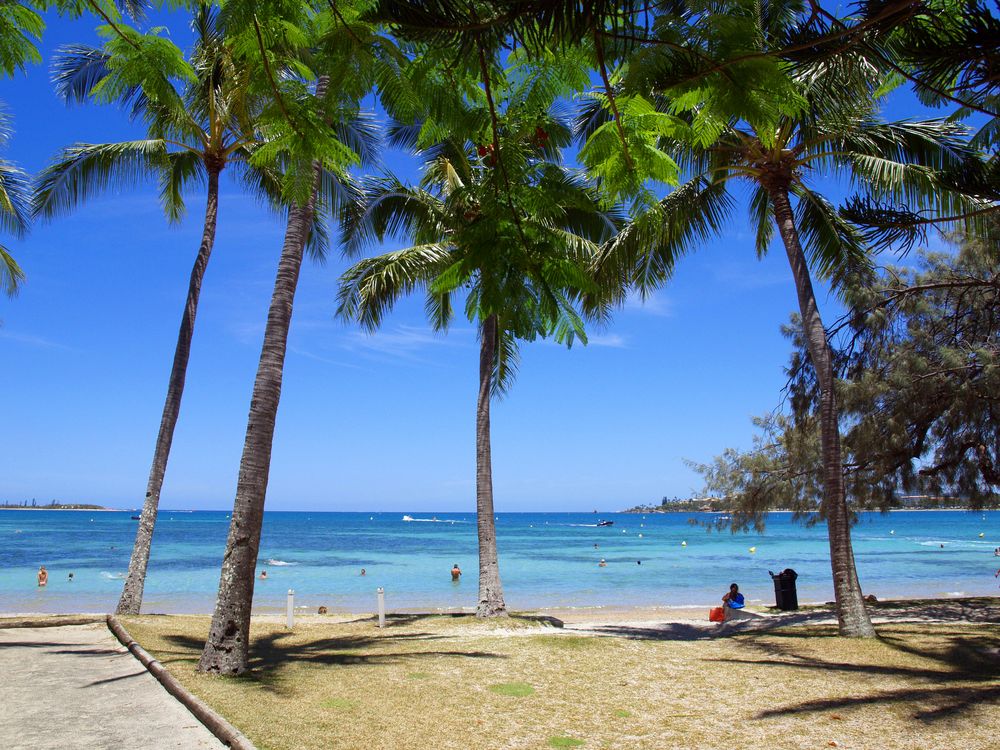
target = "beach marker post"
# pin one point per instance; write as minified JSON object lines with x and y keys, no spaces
{"x":290,"y":609}
{"x":380,"y":595}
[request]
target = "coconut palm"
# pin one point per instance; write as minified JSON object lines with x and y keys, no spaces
{"x":201,"y":119}
{"x":312,"y":141}
{"x":511,"y":230}
{"x":826,"y":123}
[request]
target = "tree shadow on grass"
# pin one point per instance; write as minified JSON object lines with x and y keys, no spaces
{"x":982,"y":609}
{"x":397,"y":620}
{"x":271,"y":653}
{"x":968,"y":672}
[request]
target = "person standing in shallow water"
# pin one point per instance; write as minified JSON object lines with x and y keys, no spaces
{"x":456,"y":572}
{"x":43,"y":576}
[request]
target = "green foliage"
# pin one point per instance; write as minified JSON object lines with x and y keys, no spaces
{"x":496,"y":219}
{"x":513,"y":689}
{"x":20,"y":30}
{"x":15,"y":200}
{"x":919,"y":367}
{"x":340,"y":704}
{"x":562,"y":741}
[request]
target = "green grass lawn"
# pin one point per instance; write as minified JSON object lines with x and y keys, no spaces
{"x":443,"y":683}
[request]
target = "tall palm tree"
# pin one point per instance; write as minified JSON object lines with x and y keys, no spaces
{"x":827,"y":124}
{"x":508,"y":227}
{"x":200,"y":121}
{"x":315,"y":145}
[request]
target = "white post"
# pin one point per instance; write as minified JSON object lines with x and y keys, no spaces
{"x":381,"y":606}
{"x":290,"y":609}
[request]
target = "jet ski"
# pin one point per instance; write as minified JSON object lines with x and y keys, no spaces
{"x":605,"y":523}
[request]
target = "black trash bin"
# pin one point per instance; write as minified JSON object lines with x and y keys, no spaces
{"x":785,"y":596}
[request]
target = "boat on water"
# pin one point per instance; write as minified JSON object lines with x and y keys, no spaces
{"x":605,"y":523}
{"x":135,"y":518}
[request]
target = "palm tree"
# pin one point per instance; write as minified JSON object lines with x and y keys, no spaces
{"x":200,"y":120}
{"x":509,"y":228}
{"x":827,"y":123}
{"x":314,"y":140}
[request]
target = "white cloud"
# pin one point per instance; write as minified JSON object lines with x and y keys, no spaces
{"x":610,"y":340}
{"x":404,"y":341}
{"x":656,"y":304}
{"x":39,"y":342}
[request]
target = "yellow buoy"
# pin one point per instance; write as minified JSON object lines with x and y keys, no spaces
{"x":753,"y":549}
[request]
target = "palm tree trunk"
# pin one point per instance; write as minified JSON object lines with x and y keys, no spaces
{"x":491,"y":603}
{"x":851,"y":612}
{"x":227,"y":650}
{"x":131,"y":598}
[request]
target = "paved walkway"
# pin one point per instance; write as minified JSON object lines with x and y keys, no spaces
{"x":78,"y":687}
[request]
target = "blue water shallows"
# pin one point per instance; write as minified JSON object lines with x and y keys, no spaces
{"x":546,"y":559}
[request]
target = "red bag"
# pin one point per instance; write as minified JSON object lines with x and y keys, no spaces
{"x":717,"y":614}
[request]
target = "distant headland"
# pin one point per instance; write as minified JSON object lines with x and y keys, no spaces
{"x":724,"y":505}
{"x":53,"y":505}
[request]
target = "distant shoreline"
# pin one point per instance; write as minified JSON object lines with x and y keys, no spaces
{"x":873,"y":510}
{"x":48,"y":507}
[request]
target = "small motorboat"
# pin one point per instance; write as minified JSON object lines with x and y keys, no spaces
{"x":605,"y":523}
{"x":135,"y":518}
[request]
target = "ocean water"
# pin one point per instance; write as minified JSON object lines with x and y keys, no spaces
{"x":547,"y":560}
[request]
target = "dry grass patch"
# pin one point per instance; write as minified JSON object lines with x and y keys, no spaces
{"x":350,"y":685}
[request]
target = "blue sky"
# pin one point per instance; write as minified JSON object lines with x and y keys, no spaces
{"x":383,"y":422}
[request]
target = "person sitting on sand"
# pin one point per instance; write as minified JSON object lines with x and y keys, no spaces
{"x":263,"y":575}
{"x":43,"y":576}
{"x":733,"y":603}
{"x":456,"y":572}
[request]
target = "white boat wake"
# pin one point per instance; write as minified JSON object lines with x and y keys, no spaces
{"x":432,"y":520}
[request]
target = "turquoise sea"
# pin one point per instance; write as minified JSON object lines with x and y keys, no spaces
{"x":546,"y":559}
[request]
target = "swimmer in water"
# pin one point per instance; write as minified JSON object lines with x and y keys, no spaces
{"x":263,"y":575}
{"x":456,"y":572}
{"x":362,"y":571}
{"x":43,"y":576}
{"x":602,"y":564}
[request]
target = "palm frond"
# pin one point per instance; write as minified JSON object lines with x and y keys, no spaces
{"x":85,"y":169}
{"x":762,"y":219}
{"x":370,"y":288}
{"x":506,"y":361}
{"x":646,"y":250}
{"x":11,"y":274}
{"x":15,"y":200}
{"x":834,"y":247}
{"x":388,"y":209}
{"x":178,"y":169}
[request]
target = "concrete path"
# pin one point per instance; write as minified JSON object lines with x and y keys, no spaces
{"x":78,"y":687}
